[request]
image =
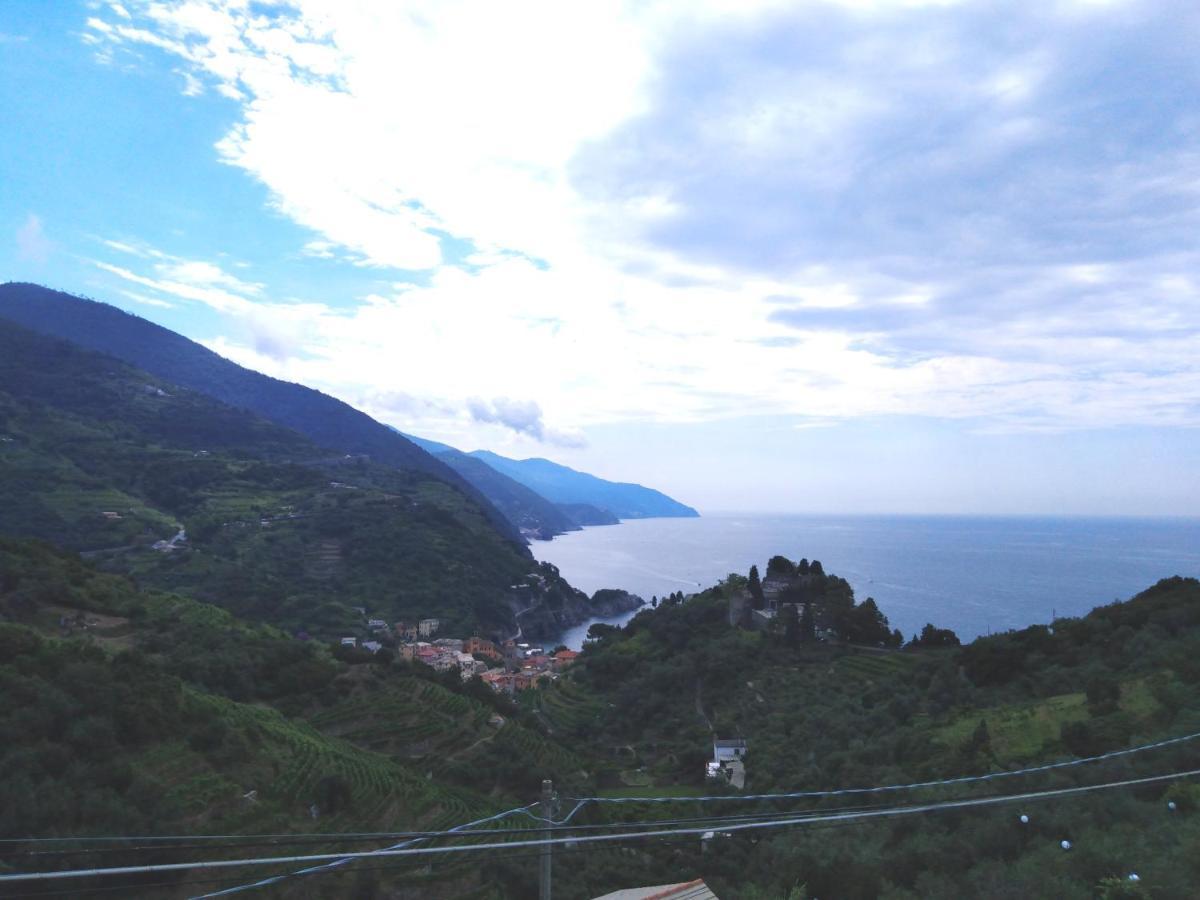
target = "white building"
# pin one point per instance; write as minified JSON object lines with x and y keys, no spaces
{"x":426,"y":627}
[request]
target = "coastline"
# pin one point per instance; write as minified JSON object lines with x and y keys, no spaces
{"x":974,"y":574}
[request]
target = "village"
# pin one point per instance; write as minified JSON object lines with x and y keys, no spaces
{"x":507,"y":667}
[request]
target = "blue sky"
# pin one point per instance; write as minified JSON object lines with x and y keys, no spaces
{"x":854,"y":255}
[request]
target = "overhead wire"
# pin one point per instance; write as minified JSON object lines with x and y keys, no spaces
{"x":759,"y":823}
{"x":836,"y":792}
{"x":791,"y":795}
{"x":344,"y":860}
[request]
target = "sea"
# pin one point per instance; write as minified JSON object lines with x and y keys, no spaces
{"x":975,"y":575}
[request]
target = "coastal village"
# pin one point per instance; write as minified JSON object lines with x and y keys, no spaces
{"x":506,"y":667}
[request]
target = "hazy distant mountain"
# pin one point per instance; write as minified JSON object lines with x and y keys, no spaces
{"x":561,"y":484}
{"x":531,"y":488}
{"x":532,"y":513}
{"x":161,"y":352}
{"x":586,"y":514}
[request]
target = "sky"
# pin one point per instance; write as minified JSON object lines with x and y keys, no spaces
{"x":844,"y":256}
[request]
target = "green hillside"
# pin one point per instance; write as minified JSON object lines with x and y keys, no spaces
{"x":147,"y":713}
{"x":652,"y":696}
{"x":99,"y":457}
{"x":120,"y":718}
{"x":171,"y":357}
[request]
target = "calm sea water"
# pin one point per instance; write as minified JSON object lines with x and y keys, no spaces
{"x":970,"y":574}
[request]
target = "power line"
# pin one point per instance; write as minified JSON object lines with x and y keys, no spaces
{"x":390,"y":866}
{"x":794,"y":795}
{"x":374,"y":835}
{"x":395,"y":848}
{"x":489,"y":833}
{"x":714,"y":819}
{"x":401,"y":851}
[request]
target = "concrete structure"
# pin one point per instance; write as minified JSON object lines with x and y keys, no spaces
{"x":728,"y":750}
{"x":727,"y":762}
{"x":687,"y":890}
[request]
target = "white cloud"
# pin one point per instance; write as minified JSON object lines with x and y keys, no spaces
{"x":32,"y":244}
{"x":146,"y":301}
{"x":521,"y":416}
{"x":681,"y":212}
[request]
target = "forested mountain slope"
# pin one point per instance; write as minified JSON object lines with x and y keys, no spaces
{"x":101,"y":457}
{"x":326,"y":420}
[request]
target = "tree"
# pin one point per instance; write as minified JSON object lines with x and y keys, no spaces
{"x":1103,"y":694}
{"x":808,"y":625}
{"x":780,"y":567}
{"x":802,"y":568}
{"x":814,"y":568}
{"x":791,"y":624}
{"x":865,"y":624}
{"x":756,"y":591}
{"x":931,"y":636}
{"x":981,"y":739}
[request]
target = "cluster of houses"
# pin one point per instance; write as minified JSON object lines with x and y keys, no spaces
{"x":507,"y":668}
{"x":526,"y":666}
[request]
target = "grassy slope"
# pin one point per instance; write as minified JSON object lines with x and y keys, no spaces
{"x":139,"y":712}
{"x":91,"y":435}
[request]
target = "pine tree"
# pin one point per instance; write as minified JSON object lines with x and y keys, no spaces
{"x":758,"y":601}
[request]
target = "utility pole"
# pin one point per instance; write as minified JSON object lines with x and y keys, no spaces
{"x":547,"y":808}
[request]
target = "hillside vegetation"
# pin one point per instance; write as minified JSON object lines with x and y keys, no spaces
{"x":99,"y":457}
{"x":325,"y":420}
{"x":819,"y":715}
{"x":142,"y":712}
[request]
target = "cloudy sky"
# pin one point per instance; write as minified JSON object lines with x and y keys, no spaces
{"x":853,"y":255}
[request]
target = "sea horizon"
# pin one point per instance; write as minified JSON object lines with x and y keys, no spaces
{"x":973,"y":573}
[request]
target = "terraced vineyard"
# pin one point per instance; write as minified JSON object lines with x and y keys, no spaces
{"x":379,"y":790}
{"x":450,"y":736}
{"x":408,"y":718}
{"x":875,"y":666}
{"x":567,"y":707}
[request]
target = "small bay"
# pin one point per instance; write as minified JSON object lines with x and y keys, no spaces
{"x":973,"y":574}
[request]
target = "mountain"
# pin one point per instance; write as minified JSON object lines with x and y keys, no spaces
{"x":191,"y":495}
{"x":563,"y":485}
{"x":586,"y":514}
{"x":527,"y":491}
{"x":532,"y":513}
{"x":324,"y":419}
